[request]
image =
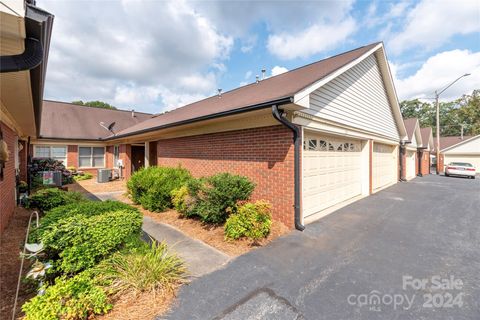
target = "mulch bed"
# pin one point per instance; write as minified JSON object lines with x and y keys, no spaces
{"x":11,"y":242}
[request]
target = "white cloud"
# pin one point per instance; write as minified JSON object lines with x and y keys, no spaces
{"x":147,"y":54}
{"x":278,"y":70}
{"x":431,"y":24}
{"x":439,"y":71}
{"x":315,"y":39}
{"x":248,"y":74}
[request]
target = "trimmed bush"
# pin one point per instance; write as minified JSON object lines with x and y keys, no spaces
{"x":79,"y":242}
{"x":85,"y":208}
{"x":81,"y":177}
{"x":47,"y":199}
{"x":69,"y":298}
{"x":183,"y":202}
{"x":217,"y":196}
{"x":253,"y":221}
{"x":147,"y":268}
{"x":152,"y":187}
{"x":48,"y":164}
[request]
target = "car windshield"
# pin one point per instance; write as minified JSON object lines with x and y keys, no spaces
{"x":461,"y":164}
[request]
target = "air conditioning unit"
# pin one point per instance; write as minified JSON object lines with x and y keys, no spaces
{"x":57,"y":178}
{"x":104,"y":175}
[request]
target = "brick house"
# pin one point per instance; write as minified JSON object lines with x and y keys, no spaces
{"x":25,"y":38}
{"x":312,"y":139}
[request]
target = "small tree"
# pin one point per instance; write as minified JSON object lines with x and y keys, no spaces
{"x":95,"y":104}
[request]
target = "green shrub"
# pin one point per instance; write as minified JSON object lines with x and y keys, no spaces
{"x":253,"y":220}
{"x":148,"y":268}
{"x":152,"y":187}
{"x":47,"y":199}
{"x":69,"y":298}
{"x":217,"y":196}
{"x":183,"y":202}
{"x":85,"y":176}
{"x":79,"y":242}
{"x":85,"y":208}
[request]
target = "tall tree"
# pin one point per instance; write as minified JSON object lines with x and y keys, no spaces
{"x":95,"y":104}
{"x":463,"y":112}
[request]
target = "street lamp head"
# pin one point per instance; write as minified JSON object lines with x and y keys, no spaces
{"x":466,"y":74}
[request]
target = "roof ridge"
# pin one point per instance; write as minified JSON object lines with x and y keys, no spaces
{"x":79,"y":105}
{"x":278,"y":75}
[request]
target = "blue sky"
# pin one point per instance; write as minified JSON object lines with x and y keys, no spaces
{"x":155,"y":56}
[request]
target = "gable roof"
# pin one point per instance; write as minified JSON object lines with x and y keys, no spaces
{"x":453,"y":141}
{"x":410,"y":125}
{"x":447,"y":142}
{"x":427,"y":137}
{"x":276,"y":89}
{"x":61,"y":120}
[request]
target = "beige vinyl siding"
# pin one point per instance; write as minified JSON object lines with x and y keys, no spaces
{"x":357,"y":98}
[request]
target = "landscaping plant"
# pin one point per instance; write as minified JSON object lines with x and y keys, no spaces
{"x":47,"y":199}
{"x":84,"y":208}
{"x":252,"y":220}
{"x":81,"y":177}
{"x":79,"y":242}
{"x":69,"y":298}
{"x":48,"y":164}
{"x":152,"y":187}
{"x":148,"y":268}
{"x":217,"y":196}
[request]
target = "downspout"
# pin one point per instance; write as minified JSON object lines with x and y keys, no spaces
{"x":296,"y":166}
{"x":31,"y":57}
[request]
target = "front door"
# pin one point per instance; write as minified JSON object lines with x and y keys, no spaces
{"x":138,"y":157}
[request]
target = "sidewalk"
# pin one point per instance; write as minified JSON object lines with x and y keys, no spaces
{"x":199,"y":257}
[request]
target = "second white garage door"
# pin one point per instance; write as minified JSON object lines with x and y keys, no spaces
{"x":410,"y":162}
{"x":384,"y":165}
{"x":331,"y":172}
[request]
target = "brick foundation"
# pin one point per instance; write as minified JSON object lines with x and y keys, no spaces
{"x":424,"y":162}
{"x":8,"y":183}
{"x":265,"y":155}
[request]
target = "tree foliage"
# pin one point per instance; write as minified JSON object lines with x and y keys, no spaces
{"x":453,"y":114}
{"x":95,"y":104}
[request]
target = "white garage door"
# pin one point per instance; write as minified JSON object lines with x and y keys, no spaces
{"x":331,"y":172}
{"x":384,"y":165}
{"x":410,"y":162}
{"x":473,"y":159}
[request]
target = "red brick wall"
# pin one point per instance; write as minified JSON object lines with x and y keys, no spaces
{"x":425,"y":162}
{"x":8,"y":183}
{"x":265,"y":155}
{"x":109,"y":157}
{"x":125,"y":154}
{"x":72,"y":156}
{"x":441,"y":163}
{"x":403,"y":159}
{"x":416,"y":163}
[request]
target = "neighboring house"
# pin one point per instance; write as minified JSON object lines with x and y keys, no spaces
{"x":411,"y":156}
{"x":460,"y":149}
{"x":24,"y":44}
{"x":424,"y":151}
{"x":73,"y":134}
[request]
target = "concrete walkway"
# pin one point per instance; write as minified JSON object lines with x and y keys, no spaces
{"x":199,"y":257}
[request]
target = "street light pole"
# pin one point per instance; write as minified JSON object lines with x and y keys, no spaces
{"x":437,"y":95}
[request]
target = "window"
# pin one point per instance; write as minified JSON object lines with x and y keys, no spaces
{"x":55,"y":152}
{"x":116,"y":155}
{"x":91,"y":157}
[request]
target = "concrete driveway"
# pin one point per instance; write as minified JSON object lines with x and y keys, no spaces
{"x":411,"y":251}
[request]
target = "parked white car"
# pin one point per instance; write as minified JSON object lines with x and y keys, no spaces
{"x":460,"y":169}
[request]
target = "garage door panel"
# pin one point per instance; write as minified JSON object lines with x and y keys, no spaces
{"x":331,"y":172}
{"x":384,"y":165}
{"x":410,"y":162}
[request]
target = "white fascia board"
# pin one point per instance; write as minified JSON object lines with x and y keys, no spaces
{"x":460,"y":143}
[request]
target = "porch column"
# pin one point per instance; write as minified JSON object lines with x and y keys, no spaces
{"x":147,"y":154}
